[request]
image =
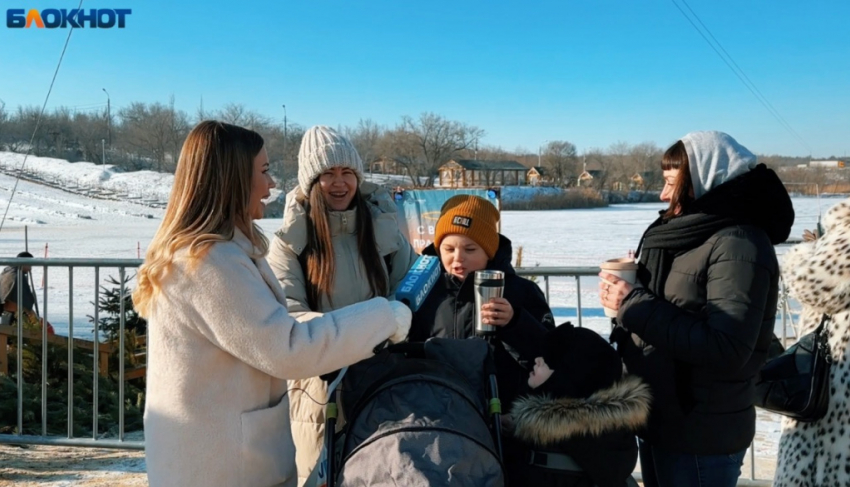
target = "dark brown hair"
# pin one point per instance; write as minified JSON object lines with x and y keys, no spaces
{"x":321,"y":266}
{"x":676,"y":157}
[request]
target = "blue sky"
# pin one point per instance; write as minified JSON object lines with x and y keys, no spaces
{"x":591,"y":72}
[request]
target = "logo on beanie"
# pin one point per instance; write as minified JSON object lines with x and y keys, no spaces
{"x":462,"y":221}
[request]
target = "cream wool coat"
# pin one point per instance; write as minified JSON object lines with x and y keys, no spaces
{"x":350,"y":286}
{"x":221,"y":346}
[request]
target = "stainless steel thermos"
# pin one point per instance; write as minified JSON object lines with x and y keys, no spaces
{"x":488,"y":284}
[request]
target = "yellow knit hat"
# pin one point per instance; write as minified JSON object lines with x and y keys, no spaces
{"x":472,"y":216}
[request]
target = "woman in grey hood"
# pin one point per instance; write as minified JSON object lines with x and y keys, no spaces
{"x":698,"y":325}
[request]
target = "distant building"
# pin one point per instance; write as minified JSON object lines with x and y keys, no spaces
{"x":591,"y":171}
{"x":464,"y":173}
{"x":638,"y":181}
{"x":538,"y":175}
{"x":827,"y":164}
{"x":385,"y":165}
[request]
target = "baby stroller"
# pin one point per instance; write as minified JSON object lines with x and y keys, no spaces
{"x":418,"y":414}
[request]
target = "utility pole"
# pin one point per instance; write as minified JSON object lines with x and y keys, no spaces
{"x":103,"y":151}
{"x":108,"y":117}
{"x":539,"y":148}
{"x":283,"y":162}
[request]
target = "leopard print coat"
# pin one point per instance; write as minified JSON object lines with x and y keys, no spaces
{"x":818,"y":275}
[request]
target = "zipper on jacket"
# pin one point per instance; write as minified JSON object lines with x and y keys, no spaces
{"x":455,"y":331}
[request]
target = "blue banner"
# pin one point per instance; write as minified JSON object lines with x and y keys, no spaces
{"x":419,"y":210}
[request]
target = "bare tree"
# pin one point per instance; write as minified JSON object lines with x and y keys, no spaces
{"x":403,"y":148}
{"x":366,"y":137}
{"x":90,"y":134}
{"x":560,"y":159}
{"x":646,"y":162}
{"x":422,"y":146}
{"x":238,"y":114}
{"x":4,"y":122}
{"x":232,"y":113}
{"x":155,"y":131}
{"x":619,"y":168}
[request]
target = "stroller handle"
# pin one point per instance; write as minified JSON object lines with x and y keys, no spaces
{"x":415,"y":349}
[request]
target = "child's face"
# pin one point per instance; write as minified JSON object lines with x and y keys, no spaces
{"x":540,"y":374}
{"x":460,"y":255}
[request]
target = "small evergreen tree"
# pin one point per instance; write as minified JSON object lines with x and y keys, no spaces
{"x":110,"y":310}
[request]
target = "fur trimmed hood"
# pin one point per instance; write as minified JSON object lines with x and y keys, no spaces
{"x":545,"y":421}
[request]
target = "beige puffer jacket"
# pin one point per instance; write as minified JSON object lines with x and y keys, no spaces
{"x":351,"y":285}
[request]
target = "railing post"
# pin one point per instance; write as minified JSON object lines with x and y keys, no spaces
{"x":96,"y":355}
{"x":783,"y":292}
{"x":753,"y":457}
{"x":546,"y":287}
{"x":20,"y":364}
{"x":121,"y":324}
{"x":70,"y":352}
{"x":44,"y":358}
{"x":578,"y":300}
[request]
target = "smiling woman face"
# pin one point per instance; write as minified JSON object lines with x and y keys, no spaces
{"x":261,"y":184}
{"x":338,"y":185}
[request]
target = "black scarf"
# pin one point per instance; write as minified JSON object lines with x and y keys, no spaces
{"x":756,"y":198}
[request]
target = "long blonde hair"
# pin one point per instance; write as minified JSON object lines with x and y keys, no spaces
{"x":209,"y":201}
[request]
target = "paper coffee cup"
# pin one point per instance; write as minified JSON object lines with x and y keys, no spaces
{"x":626,"y":269}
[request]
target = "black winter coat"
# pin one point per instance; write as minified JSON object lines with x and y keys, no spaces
{"x":598,"y":432}
{"x":9,"y":288}
{"x":706,"y":339}
{"x":448,"y":312}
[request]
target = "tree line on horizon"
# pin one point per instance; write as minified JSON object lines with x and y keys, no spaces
{"x":149,"y":136}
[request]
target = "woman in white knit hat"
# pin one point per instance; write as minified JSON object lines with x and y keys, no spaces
{"x":339,"y":244}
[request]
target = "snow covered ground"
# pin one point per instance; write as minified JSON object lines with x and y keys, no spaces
{"x":65,"y":224}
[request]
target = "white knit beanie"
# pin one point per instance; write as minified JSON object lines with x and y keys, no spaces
{"x":321,"y":149}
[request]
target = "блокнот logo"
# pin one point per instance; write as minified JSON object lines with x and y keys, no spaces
{"x":60,"y":18}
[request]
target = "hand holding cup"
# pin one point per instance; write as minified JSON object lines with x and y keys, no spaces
{"x":497,"y":312}
{"x":616,"y":282}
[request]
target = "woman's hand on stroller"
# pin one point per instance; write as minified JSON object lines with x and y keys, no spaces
{"x":403,"y":316}
{"x":497,"y":312}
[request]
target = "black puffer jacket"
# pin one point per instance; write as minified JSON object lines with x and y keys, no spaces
{"x":713,"y":325}
{"x":448,"y":312}
{"x":9,"y":287}
{"x":707,"y":327}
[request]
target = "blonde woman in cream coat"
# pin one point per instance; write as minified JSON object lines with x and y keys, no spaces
{"x":221,"y":341}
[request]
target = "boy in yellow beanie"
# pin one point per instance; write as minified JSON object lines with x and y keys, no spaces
{"x":467,"y":240}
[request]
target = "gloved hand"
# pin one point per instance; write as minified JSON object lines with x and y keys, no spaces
{"x":623,"y":339}
{"x":402,"y":315}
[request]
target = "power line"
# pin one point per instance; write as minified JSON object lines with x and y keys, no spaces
{"x":38,"y":122}
{"x":739,"y":72}
{"x":78,"y":107}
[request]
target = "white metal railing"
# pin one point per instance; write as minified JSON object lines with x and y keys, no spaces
{"x":71,"y":440}
{"x":122,"y":264}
